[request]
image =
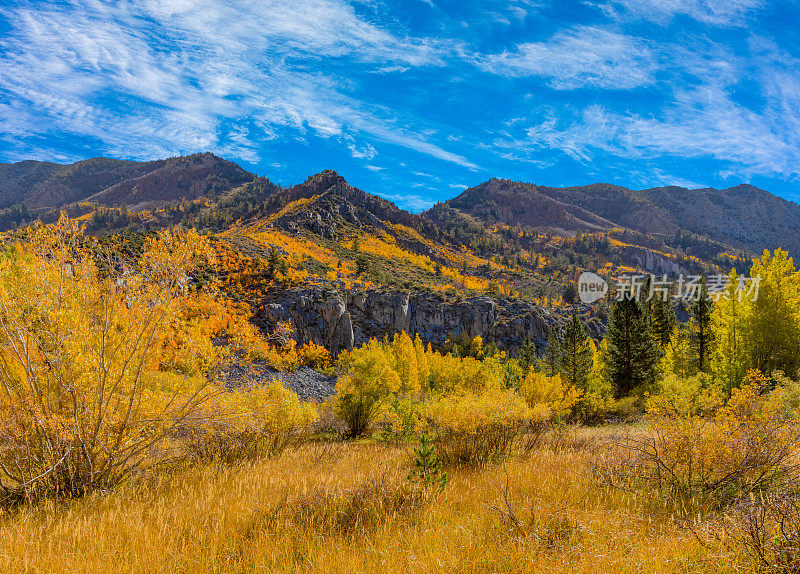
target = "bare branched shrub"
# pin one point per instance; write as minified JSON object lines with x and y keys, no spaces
{"x":324,"y":450}
{"x":230,"y":445}
{"x":557,"y":437}
{"x":533,"y":434}
{"x":767,"y":527}
{"x":329,"y":424}
{"x":549,"y":530}
{"x":251,"y":422}
{"x":485,"y":444}
{"x":745,"y":446}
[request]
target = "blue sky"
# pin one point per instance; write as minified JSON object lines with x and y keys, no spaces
{"x":414,"y":100}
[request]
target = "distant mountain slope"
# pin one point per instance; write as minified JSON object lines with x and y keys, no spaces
{"x":743,"y":217}
{"x":175,"y":180}
{"x":52,"y":186}
{"x":18,"y":180}
{"x":105,"y":181}
{"x":517,"y":203}
{"x":673,"y":227}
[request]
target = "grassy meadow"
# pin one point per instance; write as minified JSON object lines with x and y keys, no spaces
{"x":126,"y":446}
{"x":340,"y":507}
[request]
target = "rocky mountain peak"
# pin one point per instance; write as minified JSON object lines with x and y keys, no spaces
{"x":325,"y":180}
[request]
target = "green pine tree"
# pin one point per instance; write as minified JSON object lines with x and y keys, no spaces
{"x":576,"y":355}
{"x":701,"y":335}
{"x":362,"y":264}
{"x":276,"y":263}
{"x":662,"y":320}
{"x":427,"y":469}
{"x":490,"y":349}
{"x":633,"y":354}
{"x":527,"y":355}
{"x":552,"y":352}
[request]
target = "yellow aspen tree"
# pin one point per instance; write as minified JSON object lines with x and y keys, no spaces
{"x":729,"y":361}
{"x":405,"y":363}
{"x":85,"y":393}
{"x":773,"y":326}
{"x":423,"y":369}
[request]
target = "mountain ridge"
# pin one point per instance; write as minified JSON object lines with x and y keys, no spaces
{"x":33,"y":189}
{"x":720,"y":214}
{"x":46,"y":185}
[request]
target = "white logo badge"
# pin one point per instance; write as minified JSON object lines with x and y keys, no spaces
{"x":591,"y":287}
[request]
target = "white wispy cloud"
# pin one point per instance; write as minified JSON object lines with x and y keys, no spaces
{"x":410,"y":201}
{"x":738,"y":108}
{"x":158,"y":77}
{"x":583,"y":56}
{"x":717,"y":12}
{"x":365,"y":151}
{"x":702,"y":123}
{"x":327,"y":28}
{"x":153,"y":78}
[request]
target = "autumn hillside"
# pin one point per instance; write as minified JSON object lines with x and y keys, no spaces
{"x":256,"y":377}
{"x":500,"y":236}
{"x":299,"y":253}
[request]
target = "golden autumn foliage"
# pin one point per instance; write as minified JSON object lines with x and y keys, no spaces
{"x":698,"y":447}
{"x":87,"y":361}
{"x":252,"y":421}
{"x":104,"y":359}
{"x":549,"y":396}
{"x":474,"y":429}
{"x":368,"y":384}
{"x":315,"y":356}
{"x":105,"y":370}
{"x":395,"y":380}
{"x":379,"y":372}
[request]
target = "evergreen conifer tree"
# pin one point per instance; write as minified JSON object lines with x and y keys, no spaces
{"x":662,"y":320}
{"x":552,"y":352}
{"x":527,"y":355}
{"x":701,"y":335}
{"x":633,"y":354}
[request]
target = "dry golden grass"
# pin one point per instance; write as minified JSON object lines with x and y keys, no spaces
{"x":260,"y":518}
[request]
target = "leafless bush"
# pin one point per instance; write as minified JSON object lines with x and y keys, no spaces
{"x":324,"y":450}
{"x":231,"y":446}
{"x":549,"y":530}
{"x":328,"y":423}
{"x":767,"y":528}
{"x":746,"y":447}
{"x":559,"y":438}
{"x":533,"y":435}
{"x":569,"y":438}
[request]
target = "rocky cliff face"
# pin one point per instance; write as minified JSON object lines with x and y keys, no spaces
{"x":342,"y":321}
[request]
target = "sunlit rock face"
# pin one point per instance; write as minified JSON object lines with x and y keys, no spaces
{"x":342,"y":321}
